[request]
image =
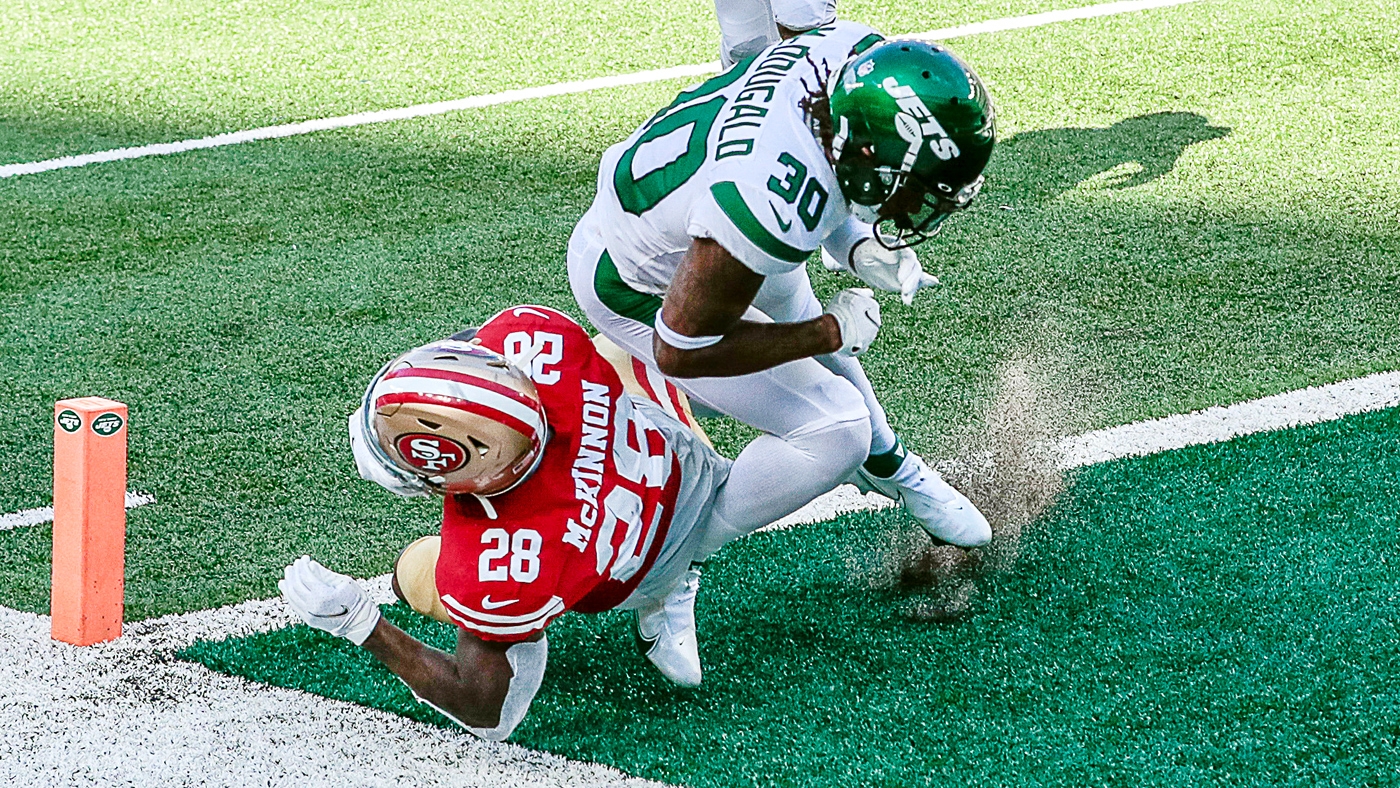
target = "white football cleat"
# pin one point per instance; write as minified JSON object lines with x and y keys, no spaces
{"x":666,"y":632}
{"x":946,"y":514}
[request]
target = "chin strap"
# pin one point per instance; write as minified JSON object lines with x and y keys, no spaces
{"x":486,"y":504}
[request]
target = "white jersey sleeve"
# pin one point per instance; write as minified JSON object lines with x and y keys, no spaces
{"x":771,"y":206}
{"x":845,"y":237}
{"x":749,"y":224}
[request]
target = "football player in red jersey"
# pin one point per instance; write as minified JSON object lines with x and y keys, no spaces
{"x":562,"y":492}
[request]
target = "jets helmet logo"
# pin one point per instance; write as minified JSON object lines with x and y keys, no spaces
{"x":916,"y":124}
{"x":432,"y":453}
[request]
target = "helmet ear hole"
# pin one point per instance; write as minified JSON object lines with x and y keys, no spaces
{"x":481,"y":449}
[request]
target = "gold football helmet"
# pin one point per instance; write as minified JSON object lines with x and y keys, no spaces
{"x":459,"y":417}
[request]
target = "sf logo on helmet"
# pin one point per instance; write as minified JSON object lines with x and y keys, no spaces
{"x":432,"y":452}
{"x":916,"y":124}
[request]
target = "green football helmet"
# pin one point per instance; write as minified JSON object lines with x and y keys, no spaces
{"x":913,"y":130}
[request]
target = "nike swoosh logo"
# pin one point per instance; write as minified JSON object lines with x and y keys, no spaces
{"x":343,"y":611}
{"x":489,"y":605}
{"x":646,"y":644}
{"x":785,"y":225}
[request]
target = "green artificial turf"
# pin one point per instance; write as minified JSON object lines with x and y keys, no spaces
{"x":1220,"y":615}
{"x":1190,"y":206}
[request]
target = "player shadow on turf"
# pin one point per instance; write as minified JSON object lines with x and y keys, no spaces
{"x":1134,"y":151}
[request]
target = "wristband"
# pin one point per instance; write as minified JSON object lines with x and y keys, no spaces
{"x":681,"y":341}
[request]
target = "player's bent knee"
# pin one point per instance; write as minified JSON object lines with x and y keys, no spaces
{"x":415,"y":578}
{"x":851,"y":444}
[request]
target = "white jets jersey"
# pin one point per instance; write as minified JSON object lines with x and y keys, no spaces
{"x":733,"y":159}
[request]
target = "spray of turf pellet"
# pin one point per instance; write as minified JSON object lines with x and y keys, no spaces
{"x":1009,"y":468}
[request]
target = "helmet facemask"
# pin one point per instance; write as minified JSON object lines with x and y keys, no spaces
{"x":917,"y":210}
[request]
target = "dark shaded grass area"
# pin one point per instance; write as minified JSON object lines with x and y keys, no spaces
{"x":239,"y":301}
{"x":1222,"y":615}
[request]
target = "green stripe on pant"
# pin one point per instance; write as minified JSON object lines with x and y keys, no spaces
{"x":620,"y":297}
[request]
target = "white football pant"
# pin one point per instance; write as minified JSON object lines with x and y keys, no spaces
{"x":816,"y":422}
{"x":747,"y":26}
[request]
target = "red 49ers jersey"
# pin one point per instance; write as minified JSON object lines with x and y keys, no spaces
{"x":585,"y":528}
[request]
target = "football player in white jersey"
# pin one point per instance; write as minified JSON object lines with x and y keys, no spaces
{"x":692,"y":256}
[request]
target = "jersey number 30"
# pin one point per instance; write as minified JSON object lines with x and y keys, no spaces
{"x":689,"y":125}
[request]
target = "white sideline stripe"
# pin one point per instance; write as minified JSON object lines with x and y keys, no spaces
{"x":1212,"y":425}
{"x":1046,"y":18}
{"x":125,"y":713}
{"x":543,"y":91}
{"x":43,"y":515}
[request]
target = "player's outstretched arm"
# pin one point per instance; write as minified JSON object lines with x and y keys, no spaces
{"x":701,"y":331}
{"x":470,"y":685}
{"x":484,"y":686}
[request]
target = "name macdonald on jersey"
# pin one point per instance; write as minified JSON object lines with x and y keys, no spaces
{"x":748,"y":106}
{"x":587,"y":470}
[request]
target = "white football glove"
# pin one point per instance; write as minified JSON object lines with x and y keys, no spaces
{"x":858,"y":314}
{"x":891,"y":270}
{"x":329,"y":601}
{"x":375,"y":467}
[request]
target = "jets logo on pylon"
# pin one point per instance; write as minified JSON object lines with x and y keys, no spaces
{"x":432,"y":452}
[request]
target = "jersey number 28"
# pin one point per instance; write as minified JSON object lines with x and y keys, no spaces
{"x":524,"y":552}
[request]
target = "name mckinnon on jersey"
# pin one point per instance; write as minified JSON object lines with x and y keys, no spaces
{"x":608,"y":516}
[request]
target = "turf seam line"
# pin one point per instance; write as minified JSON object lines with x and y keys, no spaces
{"x":28,"y":517}
{"x":1299,"y":408}
{"x":543,"y":91}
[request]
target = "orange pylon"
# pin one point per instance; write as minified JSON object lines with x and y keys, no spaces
{"x":89,"y":520}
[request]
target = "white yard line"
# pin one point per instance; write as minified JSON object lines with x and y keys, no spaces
{"x":545,"y":91}
{"x":1212,"y":425}
{"x":125,"y":713}
{"x":1291,"y":409}
{"x":43,"y":515}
